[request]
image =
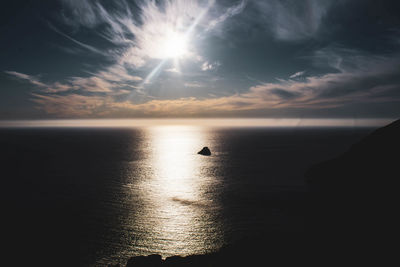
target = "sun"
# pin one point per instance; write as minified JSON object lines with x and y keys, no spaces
{"x":174,"y":45}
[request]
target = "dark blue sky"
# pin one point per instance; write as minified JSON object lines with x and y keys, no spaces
{"x":276,"y":58}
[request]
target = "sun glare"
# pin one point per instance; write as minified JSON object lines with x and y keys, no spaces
{"x":174,"y":45}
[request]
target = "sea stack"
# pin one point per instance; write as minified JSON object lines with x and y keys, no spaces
{"x":205,"y":151}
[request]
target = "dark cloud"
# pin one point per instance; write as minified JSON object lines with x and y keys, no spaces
{"x":364,"y":25}
{"x":284,"y":94}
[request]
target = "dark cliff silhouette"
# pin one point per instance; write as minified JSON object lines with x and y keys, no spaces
{"x":370,"y":163}
{"x":353,"y":207}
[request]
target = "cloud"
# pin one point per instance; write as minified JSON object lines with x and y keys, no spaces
{"x":297,"y":74}
{"x":141,"y":35}
{"x":284,"y":94}
{"x":92,"y":84}
{"x":137,"y":37}
{"x":293,"y":20}
{"x":72,"y":105}
{"x":379,"y":83}
{"x":77,"y":13}
{"x":32,"y":79}
{"x":86,"y":46}
{"x":173,"y":70}
{"x":376,"y":82}
{"x":117,"y":73}
{"x":111,"y":80}
{"x":210,"y":66}
{"x":230,"y":12}
{"x":347,"y":75}
{"x":193,"y":84}
{"x":43,"y":87}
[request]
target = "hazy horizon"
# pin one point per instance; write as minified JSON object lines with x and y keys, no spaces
{"x":207,"y":122}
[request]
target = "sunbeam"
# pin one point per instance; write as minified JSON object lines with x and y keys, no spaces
{"x":174,"y":44}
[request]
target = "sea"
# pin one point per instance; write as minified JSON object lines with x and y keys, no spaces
{"x":91,"y":195}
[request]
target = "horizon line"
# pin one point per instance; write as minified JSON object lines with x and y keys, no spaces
{"x":210,"y":122}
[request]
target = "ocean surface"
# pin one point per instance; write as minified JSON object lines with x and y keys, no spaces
{"x":96,"y":196}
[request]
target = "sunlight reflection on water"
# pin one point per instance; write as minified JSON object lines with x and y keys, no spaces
{"x":175,"y":194}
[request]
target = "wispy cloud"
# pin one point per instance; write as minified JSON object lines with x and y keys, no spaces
{"x":136,"y":37}
{"x":32,"y":79}
{"x":140,"y":37}
{"x":117,"y":73}
{"x":173,"y":70}
{"x":230,"y":12}
{"x":79,"y":13}
{"x":41,"y":86}
{"x":193,"y":84}
{"x":294,"y":20}
{"x":83,"y":45}
{"x":333,"y":90}
{"x":113,"y":79}
{"x":141,"y":34}
{"x":297,"y":74}
{"x":73,"y":105}
{"x":379,"y":82}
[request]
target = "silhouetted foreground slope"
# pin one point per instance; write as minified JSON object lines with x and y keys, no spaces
{"x":354,"y":200}
{"x":373,"y":162}
{"x":268,"y":250}
{"x":263,"y":252}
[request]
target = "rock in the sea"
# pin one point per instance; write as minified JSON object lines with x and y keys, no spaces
{"x":205,"y":151}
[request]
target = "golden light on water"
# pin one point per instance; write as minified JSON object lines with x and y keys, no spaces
{"x":176,"y":194}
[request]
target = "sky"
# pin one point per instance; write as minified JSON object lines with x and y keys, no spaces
{"x":62,"y":59}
